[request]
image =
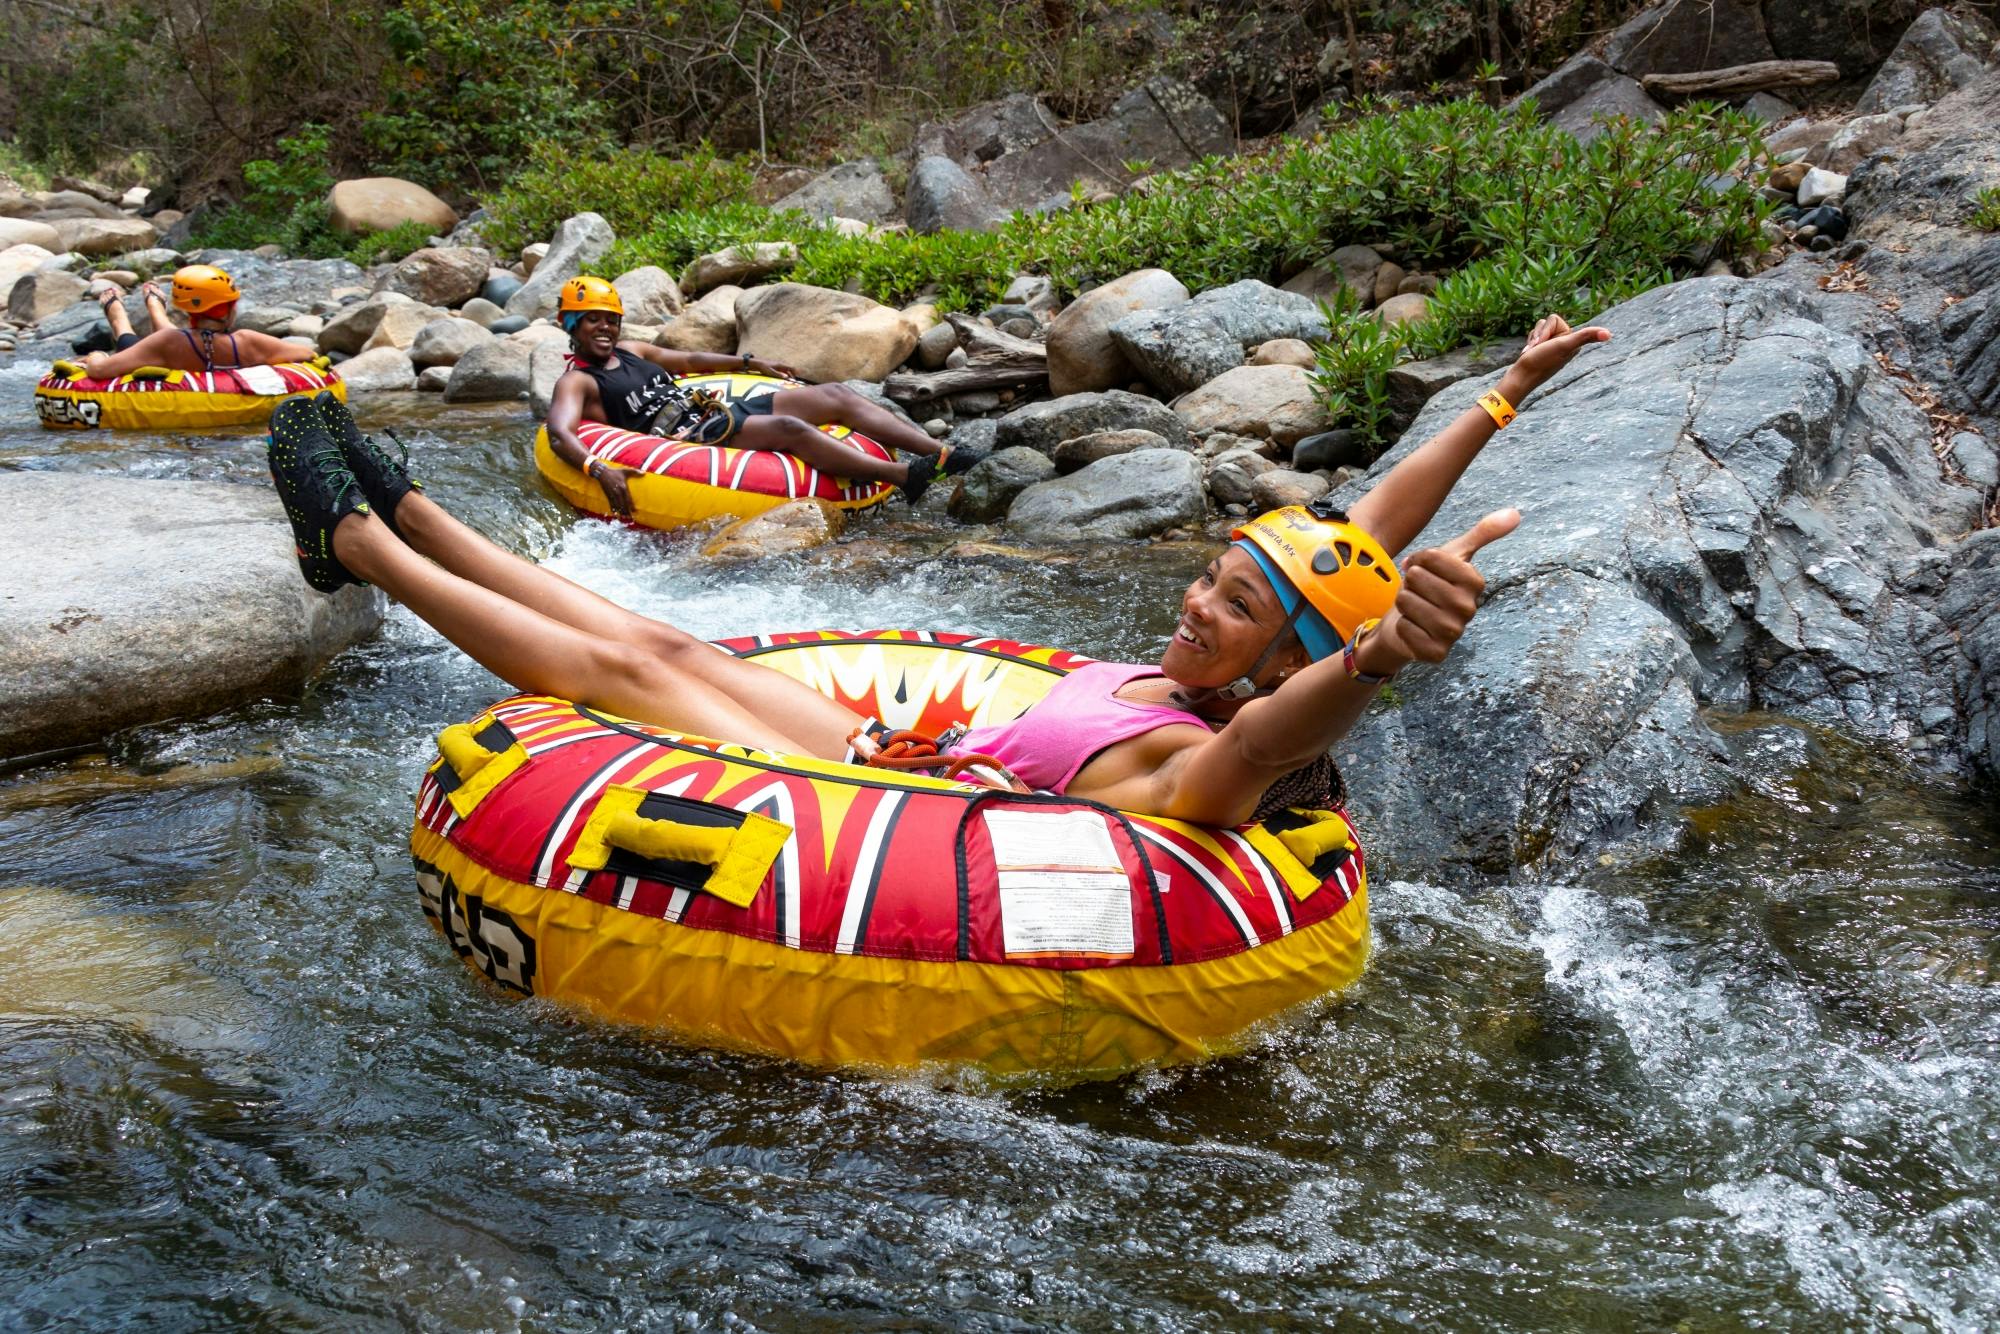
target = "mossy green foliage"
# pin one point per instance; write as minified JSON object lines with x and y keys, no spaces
{"x":631,"y":190}
{"x":1521,"y":220}
{"x":1985,"y":209}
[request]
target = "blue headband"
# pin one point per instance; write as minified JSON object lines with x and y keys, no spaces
{"x":1315,"y":631}
{"x":570,"y":319}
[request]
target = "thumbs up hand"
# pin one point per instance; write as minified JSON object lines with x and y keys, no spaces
{"x":1440,"y":593}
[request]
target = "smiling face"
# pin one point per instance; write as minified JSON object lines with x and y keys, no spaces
{"x":596,"y":334}
{"x":1229,"y":616}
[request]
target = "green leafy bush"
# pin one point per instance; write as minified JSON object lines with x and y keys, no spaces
{"x":677,"y":238}
{"x":635,"y":191}
{"x":285,"y":205}
{"x":1986,"y":209}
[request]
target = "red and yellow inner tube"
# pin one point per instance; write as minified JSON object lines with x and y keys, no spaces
{"x":686,"y":483}
{"x":154,"y":398}
{"x":839,"y":915}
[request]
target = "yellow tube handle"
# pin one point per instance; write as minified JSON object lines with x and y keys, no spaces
{"x":739,"y":851}
{"x":468,"y":751}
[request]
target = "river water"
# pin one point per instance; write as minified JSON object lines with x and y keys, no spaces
{"x":1755,"y":1085}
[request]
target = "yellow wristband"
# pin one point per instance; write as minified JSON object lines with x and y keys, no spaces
{"x":1498,"y":408}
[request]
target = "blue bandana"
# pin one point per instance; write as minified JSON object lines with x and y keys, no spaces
{"x":1315,"y":631}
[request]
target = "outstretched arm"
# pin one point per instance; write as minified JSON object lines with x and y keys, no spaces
{"x":1410,"y":494}
{"x":697,"y":363}
{"x":1220,"y":779}
{"x":271,"y":351}
{"x":148,"y":351}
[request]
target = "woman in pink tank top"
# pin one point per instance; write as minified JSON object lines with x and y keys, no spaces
{"x":1282,"y":640}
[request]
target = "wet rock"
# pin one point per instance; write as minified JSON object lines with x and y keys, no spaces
{"x":491,"y":372}
{"x":1971,"y":607}
{"x":1231,"y":476}
{"x":175,"y":600}
{"x":379,"y":203}
{"x":1083,"y":354}
{"x":984,"y":493}
{"x":444,"y":342}
{"x":1184,"y":346}
{"x":850,"y":190}
{"x":1274,"y":402}
{"x":1329,"y":450}
{"x":707,"y":325}
{"x":439,"y":275}
{"x":796,"y":525}
{"x":547,"y":363}
{"x":826,"y":335}
{"x":578,"y":244}
{"x":1123,"y":497}
{"x":1938,"y":54}
{"x":739,"y":264}
{"x":1278,"y":487}
{"x":1084,"y":450}
{"x":649,"y":294}
{"x":1043,"y":426}
{"x":1728,"y":505}
{"x":943,"y":196}
{"x":379,"y":368}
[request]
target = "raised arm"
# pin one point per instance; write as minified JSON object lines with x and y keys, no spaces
{"x":1219,"y":780}
{"x":1409,"y":495}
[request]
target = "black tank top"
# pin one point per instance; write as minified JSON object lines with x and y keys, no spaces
{"x":633,"y":392}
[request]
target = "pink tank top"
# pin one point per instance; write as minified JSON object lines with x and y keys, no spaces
{"x":1078,"y":718}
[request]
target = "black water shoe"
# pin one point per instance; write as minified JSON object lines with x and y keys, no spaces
{"x":384,"y":477}
{"x":921,"y":474}
{"x":318,"y":488}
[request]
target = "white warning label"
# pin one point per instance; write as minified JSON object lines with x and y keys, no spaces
{"x":1062,"y":888}
{"x":262,"y":380}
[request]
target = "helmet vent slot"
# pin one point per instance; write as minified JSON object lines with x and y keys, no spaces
{"x":1346,"y":550}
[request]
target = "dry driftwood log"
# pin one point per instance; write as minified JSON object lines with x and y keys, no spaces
{"x":1761,"y":76}
{"x":993,"y":360}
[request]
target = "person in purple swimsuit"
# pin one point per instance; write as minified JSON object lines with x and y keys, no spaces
{"x":1260,"y":678}
{"x":208,"y":297}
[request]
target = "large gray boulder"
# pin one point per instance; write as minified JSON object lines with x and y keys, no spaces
{"x":943,"y":196}
{"x":1182,"y":347}
{"x":1971,"y":606}
{"x":379,"y":368}
{"x":492,"y":372}
{"x":1567,"y":83}
{"x":176,"y":599}
{"x":1042,"y":426}
{"x":746,"y":263}
{"x":38,"y":295}
{"x":304,"y":284}
{"x":1939,"y":54}
{"x":1083,"y":355}
{"x":103,"y":236}
{"x":547,"y":364}
{"x":445,"y":342}
{"x":1683,"y":35}
{"x":1729,"y":505}
{"x":649,"y":294}
{"x":1610,"y":99}
{"x":1122,"y":497}
{"x":1273,"y":402}
{"x":1161,"y":124}
{"x":579,"y":243}
{"x":850,"y":190}
{"x":439,"y":275}
{"x":378,"y":203}
{"x":823,"y":334}
{"x":985,"y":492}
{"x":987,"y":131}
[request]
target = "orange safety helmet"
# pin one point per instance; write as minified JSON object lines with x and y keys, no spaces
{"x":586,"y":293}
{"x":1330,"y":576}
{"x":200,"y":288}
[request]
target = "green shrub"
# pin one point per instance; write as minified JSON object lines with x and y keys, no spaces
{"x":677,"y":238}
{"x":283,"y":204}
{"x":635,"y":191}
{"x":1353,"y":372}
{"x":380,"y":247}
{"x":1986,"y":209}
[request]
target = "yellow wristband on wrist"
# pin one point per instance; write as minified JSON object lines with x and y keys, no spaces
{"x":1498,"y":408}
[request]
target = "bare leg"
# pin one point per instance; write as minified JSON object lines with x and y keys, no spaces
{"x":114,"y":308}
{"x":791,"y":435}
{"x":535,"y":653}
{"x":819,"y":726}
{"x":837,"y":405}
{"x":156,"y":307}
